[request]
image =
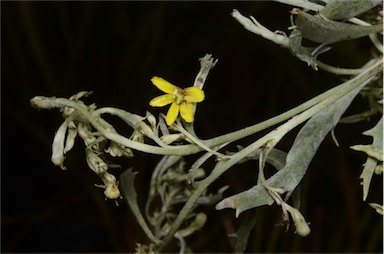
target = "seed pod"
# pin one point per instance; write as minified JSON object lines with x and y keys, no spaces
{"x":319,"y":30}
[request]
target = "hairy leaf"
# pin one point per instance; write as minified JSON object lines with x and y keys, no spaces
{"x":129,"y":192}
{"x":305,"y":54}
{"x":371,"y":163}
{"x":346,"y":9}
{"x":324,"y":31}
{"x":244,"y":231}
{"x":299,"y":157}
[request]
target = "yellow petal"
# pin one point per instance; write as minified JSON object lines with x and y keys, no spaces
{"x":163,"y":85}
{"x":162,"y":100}
{"x":194,"y":94}
{"x":172,"y":113}
{"x":187,"y":112}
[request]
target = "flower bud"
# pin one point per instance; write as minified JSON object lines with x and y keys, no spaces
{"x":85,"y":132}
{"x":95,"y":162}
{"x":112,"y":191}
{"x":71,"y":136}
{"x":151,"y":119}
{"x":170,"y":138}
{"x":58,"y":145}
{"x":117,"y":150}
{"x":137,"y":136}
{"x":302,"y":228}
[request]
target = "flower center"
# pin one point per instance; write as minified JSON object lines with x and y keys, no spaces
{"x":178,"y":95}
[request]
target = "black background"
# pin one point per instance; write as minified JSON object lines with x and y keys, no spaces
{"x":114,"y":48}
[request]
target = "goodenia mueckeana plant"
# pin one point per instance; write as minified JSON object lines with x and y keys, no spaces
{"x":174,"y":183}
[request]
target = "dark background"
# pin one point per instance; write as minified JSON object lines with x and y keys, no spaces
{"x":114,"y":48}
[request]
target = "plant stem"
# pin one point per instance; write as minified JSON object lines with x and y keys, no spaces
{"x":275,"y":135}
{"x":52,"y":102}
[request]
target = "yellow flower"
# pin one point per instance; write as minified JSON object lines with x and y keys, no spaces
{"x":183,"y":100}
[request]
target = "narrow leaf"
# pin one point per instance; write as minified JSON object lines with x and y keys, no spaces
{"x":371,"y":163}
{"x":299,"y":157}
{"x":346,"y":9}
{"x":324,"y":31}
{"x":244,"y":231}
{"x":129,"y":193}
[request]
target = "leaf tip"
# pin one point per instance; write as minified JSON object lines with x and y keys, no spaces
{"x":225,"y":203}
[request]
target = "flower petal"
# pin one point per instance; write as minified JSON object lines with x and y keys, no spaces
{"x":172,"y":113}
{"x":162,"y":100}
{"x":194,"y":94}
{"x":187,"y":112}
{"x":163,"y":85}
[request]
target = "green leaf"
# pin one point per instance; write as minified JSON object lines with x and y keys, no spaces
{"x":275,"y":157}
{"x":346,"y":9}
{"x":324,"y":31}
{"x":370,"y":150}
{"x":375,"y":154}
{"x":245,"y":229}
{"x":129,"y":193}
{"x":164,"y":164}
{"x":197,"y":223}
{"x":298,"y":159}
{"x":305,"y":54}
{"x":377,"y":207}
